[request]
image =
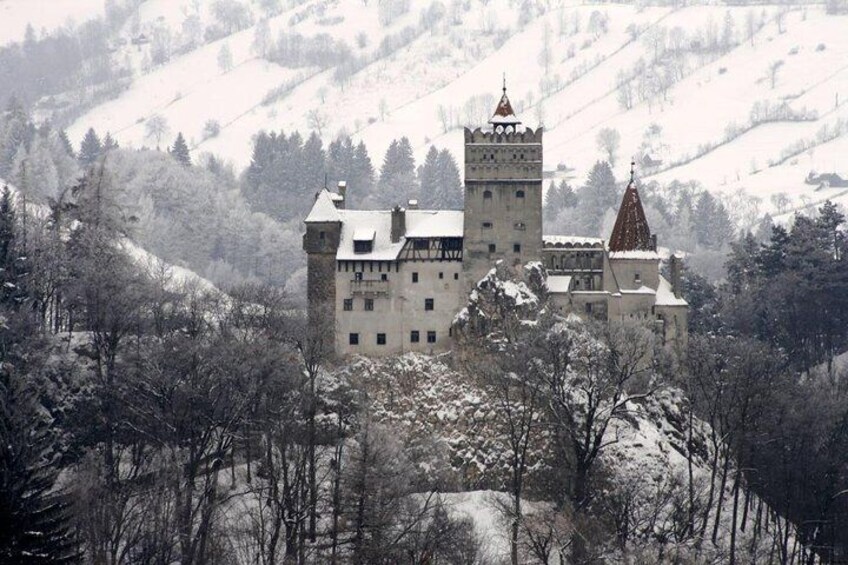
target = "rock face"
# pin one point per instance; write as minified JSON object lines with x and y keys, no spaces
{"x":429,"y":402}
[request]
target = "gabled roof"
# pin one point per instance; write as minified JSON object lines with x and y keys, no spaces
{"x":631,"y":231}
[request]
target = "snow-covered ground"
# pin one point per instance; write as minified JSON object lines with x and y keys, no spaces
{"x":409,"y":90}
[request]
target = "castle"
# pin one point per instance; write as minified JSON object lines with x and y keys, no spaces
{"x":391,"y":281}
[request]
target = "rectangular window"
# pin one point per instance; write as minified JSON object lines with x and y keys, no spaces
{"x":384,"y":277}
{"x":353,"y":339}
{"x":357,"y":276}
{"x":441,"y":275}
{"x":363,"y":246}
{"x":637,"y":278}
{"x":381,"y":339}
{"x":369,"y":304}
{"x":520,"y":226}
{"x":492,"y":248}
{"x":322,"y":235}
{"x":414,"y":337}
{"x":487,"y":225}
{"x":456,"y":276}
{"x":415,"y":277}
{"x":516,"y":248}
{"x":348,"y":304}
{"x":431,"y":337}
{"x":428,"y":303}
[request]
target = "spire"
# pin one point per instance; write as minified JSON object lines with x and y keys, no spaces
{"x":631,"y":231}
{"x":504,"y":115}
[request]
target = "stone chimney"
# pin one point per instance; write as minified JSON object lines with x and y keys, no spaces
{"x":398,"y":223}
{"x":412,"y":204}
{"x":676,"y":267}
{"x":342,"y":193}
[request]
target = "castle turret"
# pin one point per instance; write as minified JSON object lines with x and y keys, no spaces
{"x":503,"y":194}
{"x":631,"y":231}
{"x":321,"y":242}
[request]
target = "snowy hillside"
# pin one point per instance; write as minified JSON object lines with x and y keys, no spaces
{"x":740,"y":98}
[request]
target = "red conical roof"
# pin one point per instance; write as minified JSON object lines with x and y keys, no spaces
{"x":504,"y":114}
{"x":631,"y":231}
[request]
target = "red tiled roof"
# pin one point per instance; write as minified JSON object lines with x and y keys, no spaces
{"x":631,"y":231}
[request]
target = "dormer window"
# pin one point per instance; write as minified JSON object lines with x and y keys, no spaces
{"x":363,"y":241}
{"x":363,"y":246}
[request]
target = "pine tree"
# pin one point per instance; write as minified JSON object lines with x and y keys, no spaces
{"x":362,"y":177}
{"x":109,"y":143}
{"x":398,"y":182}
{"x":65,"y":143}
{"x":558,"y":198}
{"x":90,"y":148}
{"x":34,"y":518}
{"x":15,"y":133}
{"x":179,"y":151}
{"x":428,"y":177}
{"x":449,"y":186}
{"x":599,"y":195}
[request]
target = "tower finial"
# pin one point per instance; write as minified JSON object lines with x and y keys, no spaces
{"x":504,"y":83}
{"x":632,"y":169}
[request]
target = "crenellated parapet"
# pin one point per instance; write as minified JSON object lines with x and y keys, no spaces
{"x":527,"y":135}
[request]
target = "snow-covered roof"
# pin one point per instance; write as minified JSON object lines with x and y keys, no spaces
{"x":364,"y":234}
{"x":434,"y":223}
{"x":572,"y":241}
{"x":665,"y":295}
{"x":641,"y":290}
{"x":376,"y":226}
{"x":634,"y":254}
{"x":324,"y":209}
{"x":558,"y":284}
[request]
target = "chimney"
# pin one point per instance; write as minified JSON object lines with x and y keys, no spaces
{"x":342,"y":193}
{"x":398,"y":223}
{"x":675,"y":267}
{"x":412,"y":204}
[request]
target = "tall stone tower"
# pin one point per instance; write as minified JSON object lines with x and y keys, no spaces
{"x":503,"y":194}
{"x":321,"y":242}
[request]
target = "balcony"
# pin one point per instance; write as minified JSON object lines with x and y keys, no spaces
{"x":369,"y":287}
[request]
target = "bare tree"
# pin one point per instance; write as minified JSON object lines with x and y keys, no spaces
{"x":316,"y":120}
{"x":773,"y":70}
{"x":156,"y":127}
{"x":608,"y":140}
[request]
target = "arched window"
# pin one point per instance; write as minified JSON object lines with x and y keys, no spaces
{"x":487,"y":194}
{"x":519,"y":194}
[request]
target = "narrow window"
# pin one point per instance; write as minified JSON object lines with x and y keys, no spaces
{"x":637,"y":278}
{"x":429,"y":303}
{"x":384,"y":277}
{"x":487,"y":225}
{"x":441,"y":275}
{"x":353,"y":339}
{"x":415,"y":277}
{"x":492,"y":248}
{"x":456,"y":276}
{"x":322,"y":235}
{"x":381,"y":339}
{"x":369,"y":304}
{"x":520,"y":226}
{"x":431,"y":337}
{"x":516,"y":248}
{"x":357,"y":276}
{"x":348,"y":304}
{"x":414,"y":337}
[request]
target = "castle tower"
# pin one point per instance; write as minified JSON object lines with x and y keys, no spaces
{"x":503,"y":194}
{"x":321,"y":242}
{"x":631,"y":231}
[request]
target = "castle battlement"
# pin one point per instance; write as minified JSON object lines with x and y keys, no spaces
{"x":525,"y":136}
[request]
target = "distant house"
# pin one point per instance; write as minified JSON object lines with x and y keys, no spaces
{"x":649,"y":163}
{"x":140,"y":39}
{"x":826,"y":180}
